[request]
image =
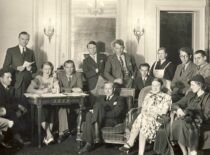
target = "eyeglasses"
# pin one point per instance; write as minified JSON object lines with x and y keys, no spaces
{"x":183,"y":56}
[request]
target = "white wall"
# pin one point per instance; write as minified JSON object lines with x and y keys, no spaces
{"x":15,"y":16}
{"x":31,"y":15}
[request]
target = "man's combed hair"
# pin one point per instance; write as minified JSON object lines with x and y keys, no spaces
{"x":23,"y":33}
{"x":144,"y":65}
{"x":202,"y":52}
{"x":91,"y":42}
{"x":186,"y":50}
{"x":118,"y":41}
{"x":4,"y":70}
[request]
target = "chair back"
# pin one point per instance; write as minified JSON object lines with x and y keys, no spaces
{"x":128,"y":93}
{"x":142,"y":95}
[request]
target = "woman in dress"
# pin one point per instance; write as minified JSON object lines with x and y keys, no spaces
{"x":155,"y":104}
{"x":45,"y":83}
{"x":163,"y":68}
{"x":192,"y":112}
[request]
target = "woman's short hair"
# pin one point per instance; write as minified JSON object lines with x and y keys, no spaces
{"x":158,"y":80}
{"x":49,"y":64}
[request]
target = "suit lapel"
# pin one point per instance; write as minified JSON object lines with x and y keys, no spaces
{"x":127,"y":61}
{"x":188,"y":69}
{"x":73,"y":81}
{"x":117,"y":62}
{"x":18,"y":54}
{"x":91,"y":60}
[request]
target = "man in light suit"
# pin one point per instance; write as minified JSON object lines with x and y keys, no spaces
{"x":200,"y":59}
{"x":144,"y":79}
{"x":120,"y":67}
{"x":15,"y":58}
{"x":69,"y":81}
{"x":184,"y":72}
{"x":93,"y":67}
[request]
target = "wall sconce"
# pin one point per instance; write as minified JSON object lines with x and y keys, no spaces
{"x":49,"y":30}
{"x":138,"y":30}
{"x":95,"y":8}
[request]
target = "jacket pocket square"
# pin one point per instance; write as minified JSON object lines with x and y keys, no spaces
{"x":115,"y":103}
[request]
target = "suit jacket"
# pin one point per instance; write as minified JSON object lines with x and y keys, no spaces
{"x":182,"y":78}
{"x":7,"y":99}
{"x":14,"y":59}
{"x":89,"y":69}
{"x":113,"y":69}
{"x":139,"y":84}
{"x":115,"y":109}
{"x":76,"y":81}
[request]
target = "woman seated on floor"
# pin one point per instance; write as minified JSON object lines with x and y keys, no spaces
{"x":45,"y":83}
{"x":155,"y":104}
{"x":192,"y":112}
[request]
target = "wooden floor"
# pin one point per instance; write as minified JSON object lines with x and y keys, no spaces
{"x":69,"y":147}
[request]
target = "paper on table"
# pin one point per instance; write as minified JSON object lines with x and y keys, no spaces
{"x":27,"y":63}
{"x":75,"y":94}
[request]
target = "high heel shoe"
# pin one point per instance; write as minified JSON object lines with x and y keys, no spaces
{"x":48,"y":141}
{"x":125,"y":149}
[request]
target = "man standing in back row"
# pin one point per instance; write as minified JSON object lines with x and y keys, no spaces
{"x":93,"y":67}
{"x":120,"y":67}
{"x":16,"y":58}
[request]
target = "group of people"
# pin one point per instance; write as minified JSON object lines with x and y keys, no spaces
{"x":186,"y":94}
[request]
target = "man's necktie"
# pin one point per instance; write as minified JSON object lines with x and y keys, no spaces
{"x":124,"y":68}
{"x":183,"y":70}
{"x":69,"y":81}
{"x":23,"y":52}
{"x":144,"y":80}
{"x":121,"y":61}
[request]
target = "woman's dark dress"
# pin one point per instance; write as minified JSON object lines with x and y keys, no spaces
{"x":185,"y":130}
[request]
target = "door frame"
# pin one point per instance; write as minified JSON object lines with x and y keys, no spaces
{"x":198,"y":27}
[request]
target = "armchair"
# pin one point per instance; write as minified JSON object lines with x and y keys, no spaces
{"x":118,"y":134}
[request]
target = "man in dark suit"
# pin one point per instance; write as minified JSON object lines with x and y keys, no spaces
{"x":69,"y":81}
{"x":15,"y":59}
{"x":13,"y":110}
{"x":144,"y":79}
{"x":120,"y":67}
{"x":108,"y":110}
{"x":93,"y":67}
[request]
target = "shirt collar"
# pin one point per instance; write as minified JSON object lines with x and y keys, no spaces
{"x":109,"y":97}
{"x":201,"y":66}
{"x":5,"y":86}
{"x":21,"y":48}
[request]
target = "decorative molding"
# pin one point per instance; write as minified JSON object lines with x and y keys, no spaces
{"x":152,"y":11}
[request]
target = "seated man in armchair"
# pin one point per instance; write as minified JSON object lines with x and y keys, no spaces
{"x":108,"y":110}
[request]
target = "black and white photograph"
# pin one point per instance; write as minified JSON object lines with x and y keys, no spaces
{"x":104,"y":77}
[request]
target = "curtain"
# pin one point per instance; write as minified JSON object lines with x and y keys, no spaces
{"x":207,"y":28}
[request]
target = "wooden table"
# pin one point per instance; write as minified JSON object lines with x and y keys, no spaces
{"x":39,"y":101}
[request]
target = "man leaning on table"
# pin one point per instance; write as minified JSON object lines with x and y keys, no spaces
{"x":69,"y":81}
{"x":12,"y":109}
